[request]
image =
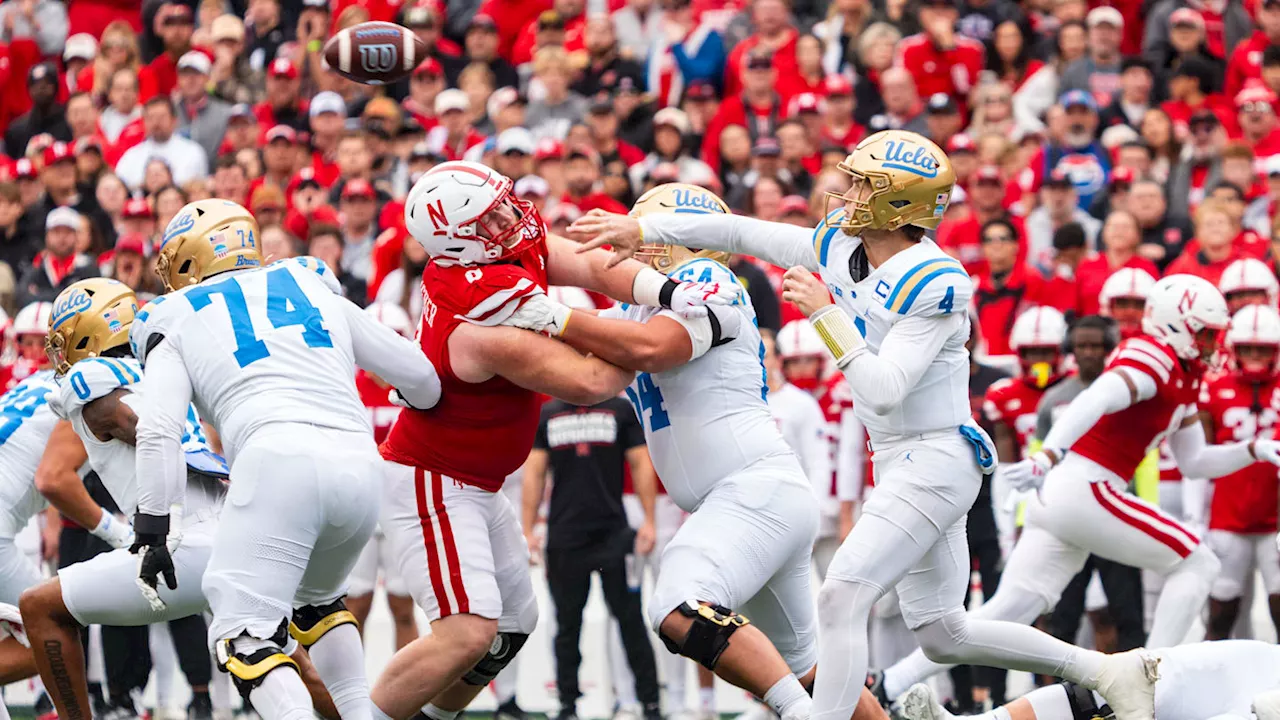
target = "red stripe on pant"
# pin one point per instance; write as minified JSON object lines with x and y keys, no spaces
{"x":450,"y":547}
{"x":429,"y":541}
{"x":1117,"y":506}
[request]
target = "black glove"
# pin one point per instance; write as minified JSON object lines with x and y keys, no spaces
{"x":150,"y":535}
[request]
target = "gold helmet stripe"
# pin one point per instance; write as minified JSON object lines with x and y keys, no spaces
{"x":915,"y":279}
{"x":823,"y":234}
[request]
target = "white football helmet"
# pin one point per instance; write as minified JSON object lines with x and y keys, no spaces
{"x":391,"y":315}
{"x":1038,"y":327}
{"x":6,"y":339}
{"x":1248,"y":275}
{"x":1188,"y":314}
{"x":32,"y":321}
{"x":1125,"y":284}
{"x":1256,"y":325}
{"x":466,"y":213}
{"x":798,"y":339}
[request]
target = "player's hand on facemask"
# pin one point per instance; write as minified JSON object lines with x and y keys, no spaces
{"x":622,"y":232}
{"x":803,"y":288}
{"x":541,"y":314}
{"x":1029,"y":474}
{"x":1267,"y":450}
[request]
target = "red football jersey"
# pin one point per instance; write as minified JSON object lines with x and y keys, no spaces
{"x":479,"y":433}
{"x":835,"y":396}
{"x":373,"y":392}
{"x":1012,"y":402}
{"x":1119,"y":442}
{"x":1244,"y":501}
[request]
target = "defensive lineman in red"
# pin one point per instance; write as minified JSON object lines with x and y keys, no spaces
{"x":457,"y":540}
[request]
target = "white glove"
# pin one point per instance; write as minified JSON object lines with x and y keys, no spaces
{"x":541,"y":314}
{"x":117,"y":532}
{"x":1028,"y":474}
{"x":1267,"y":451}
{"x":691,"y":298}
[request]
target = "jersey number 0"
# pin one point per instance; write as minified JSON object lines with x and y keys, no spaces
{"x":287,"y":305}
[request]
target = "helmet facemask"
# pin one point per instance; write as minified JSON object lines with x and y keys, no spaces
{"x":1245,"y":297}
{"x":506,"y":227}
{"x":1128,"y":313}
{"x":1040,"y":363}
{"x":1256,"y":362}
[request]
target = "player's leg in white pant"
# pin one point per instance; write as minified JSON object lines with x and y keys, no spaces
{"x":1267,"y":557}
{"x":362,"y":583}
{"x":746,"y":530}
{"x":824,"y":550}
{"x":17,"y":572}
{"x":164,"y":661}
{"x":890,"y":639}
{"x":399,"y":601}
{"x":1236,"y":553}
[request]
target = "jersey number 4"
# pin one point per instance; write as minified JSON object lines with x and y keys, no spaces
{"x":18,"y":407}
{"x":287,"y":305}
{"x":646,"y":397}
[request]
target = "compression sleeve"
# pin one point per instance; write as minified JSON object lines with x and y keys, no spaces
{"x":392,"y":357}
{"x":1197,"y":459}
{"x":778,"y":243}
{"x":1108,"y":394}
{"x":161,"y":463}
{"x":880,"y":382}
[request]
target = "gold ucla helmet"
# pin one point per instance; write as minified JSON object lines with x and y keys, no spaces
{"x":899,"y":178}
{"x":89,"y":318}
{"x":205,"y":238}
{"x":677,"y":198}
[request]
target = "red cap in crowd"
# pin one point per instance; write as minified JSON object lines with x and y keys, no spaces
{"x":960,"y":142}
{"x":305,"y":176}
{"x":283,"y":68}
{"x":837,"y":85}
{"x":793,"y":204}
{"x":23,"y":169}
{"x":357,"y":187}
{"x":132,"y":242}
{"x":988,"y":174}
{"x":1122,"y":176}
{"x":57,"y":152}
{"x":548,"y":149}
{"x":430,"y":66}
{"x":282,"y":132}
{"x":805,"y":103}
{"x":137,"y":208}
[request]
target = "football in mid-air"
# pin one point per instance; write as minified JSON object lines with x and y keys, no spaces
{"x":375,"y":53}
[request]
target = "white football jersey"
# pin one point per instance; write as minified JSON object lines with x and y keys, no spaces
{"x":25,"y":424}
{"x":1201,"y":680}
{"x":707,"y":419}
{"x":803,"y":426}
{"x":261,"y":346}
{"x":113,"y":459}
{"x":919,"y":281}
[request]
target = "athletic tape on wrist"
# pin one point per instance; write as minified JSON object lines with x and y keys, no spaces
{"x":837,"y":332}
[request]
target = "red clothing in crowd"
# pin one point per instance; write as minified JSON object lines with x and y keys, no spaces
{"x":797,"y":84}
{"x":326,"y":170}
{"x":953,"y":71}
{"x":512,"y":17}
{"x":380,"y":10}
{"x":16,"y":58}
{"x":962,"y":239}
{"x":846,"y":138}
{"x":91,"y":16}
{"x":1245,"y":63}
{"x":1195,"y":263}
{"x":386,"y":256}
{"x":438,"y":139}
{"x":266,"y":113}
{"x":132,"y":134}
{"x":594,"y":201}
{"x":1180,"y":112}
{"x":1248,"y":243}
{"x":733,"y":111}
{"x":1131,"y":11}
{"x":523,"y":50}
{"x":158,"y":77}
{"x":998,"y":308}
{"x":1093,"y":272}
{"x":784,"y":63}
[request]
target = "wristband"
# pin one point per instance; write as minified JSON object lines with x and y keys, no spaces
{"x":838,"y":333}
{"x":150,"y":525}
{"x":103,"y":524}
{"x":649,"y":286}
{"x":314,"y":46}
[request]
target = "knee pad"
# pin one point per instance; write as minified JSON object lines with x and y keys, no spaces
{"x":501,"y":653}
{"x":247,"y":669}
{"x":311,"y":622}
{"x":1083,"y":705}
{"x":709,"y":634}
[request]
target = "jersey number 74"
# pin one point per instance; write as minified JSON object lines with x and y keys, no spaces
{"x":287,"y":305}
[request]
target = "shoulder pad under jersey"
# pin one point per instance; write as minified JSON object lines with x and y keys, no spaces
{"x":154,"y":321}
{"x":93,"y":378}
{"x":319,"y":267}
{"x":934,"y":287}
{"x":489,"y":294}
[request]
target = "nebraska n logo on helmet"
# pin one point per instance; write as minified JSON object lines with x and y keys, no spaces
{"x":465,"y":213}
{"x":899,"y":179}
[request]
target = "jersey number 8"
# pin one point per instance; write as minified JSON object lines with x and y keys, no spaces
{"x":287,"y":305}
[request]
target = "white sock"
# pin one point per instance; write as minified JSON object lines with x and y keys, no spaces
{"x":282,"y":696}
{"x":707,"y":699}
{"x":788,"y":698}
{"x":675,"y":671}
{"x":339,"y":659}
{"x":504,"y":686}
{"x":1183,"y":597}
{"x":164,"y":659}
{"x":1049,"y":703}
{"x":437,"y":713}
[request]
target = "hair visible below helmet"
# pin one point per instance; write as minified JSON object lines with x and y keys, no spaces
{"x":1249,"y":275}
{"x":908,"y":181}
{"x":677,"y":199}
{"x":89,"y":318}
{"x":1039,"y":327}
{"x":1255,"y":325}
{"x":205,"y":238}
{"x":455,"y":212}
{"x":1182,"y":307}
{"x":391,"y":315}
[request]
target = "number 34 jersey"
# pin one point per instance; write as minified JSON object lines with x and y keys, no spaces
{"x":709,"y":418}
{"x":25,"y":424}
{"x":1244,"y":501}
{"x":249,"y":341}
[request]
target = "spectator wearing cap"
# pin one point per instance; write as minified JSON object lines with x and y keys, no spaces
{"x":16,"y":249}
{"x":79,"y":52}
{"x":426,"y":20}
{"x":283,"y":103}
{"x":201,"y":117}
{"x":1213,"y":249}
{"x":939,"y":59}
{"x":1199,"y":166}
{"x":1117,"y":195}
{"x":455,"y":134}
{"x":481,"y":46}
{"x":758,"y":107}
{"x":670,"y":128}
{"x":962,"y":237}
{"x":838,"y":126}
{"x":568,"y":17}
{"x":264,"y":34}
{"x":58,"y":264}
{"x":123,"y":111}
{"x":46,"y":114}
{"x":59,"y":180}
{"x":942,"y":118}
{"x":1058,"y":206}
{"x":1084,"y":161}
{"x":267,"y":205}
{"x":581,"y":174}
{"x":605,"y":65}
{"x":359,"y":210}
{"x":44,"y":21}
{"x":1258,"y":215}
{"x":774,"y":36}
{"x":328,"y":115}
{"x":1227,"y":26}
{"x":1134,"y":99}
{"x":128,"y":264}
{"x":233,"y":80}
{"x":1187,"y":40}
{"x":603,"y":124}
{"x":426,"y":82}
{"x":902,"y":107}
{"x":137,"y":218}
{"x":809,"y":109}
{"x":160,"y":76}
{"x":687,"y":52}
{"x":515,"y":150}
{"x":559,"y":107}
{"x":505,"y":109}
{"x":1256,"y":116}
{"x":279,"y":158}
{"x":28,"y":181}
{"x":1245,"y":61}
{"x":1005,"y":287}
{"x":185,"y":158}
{"x":1098,"y":72}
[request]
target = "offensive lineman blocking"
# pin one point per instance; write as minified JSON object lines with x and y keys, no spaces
{"x":897,"y":332}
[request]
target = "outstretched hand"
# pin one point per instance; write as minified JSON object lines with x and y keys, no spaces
{"x":622,"y":232}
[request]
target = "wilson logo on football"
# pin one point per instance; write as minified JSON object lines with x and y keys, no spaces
{"x":378,"y":58}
